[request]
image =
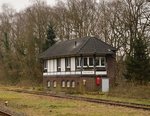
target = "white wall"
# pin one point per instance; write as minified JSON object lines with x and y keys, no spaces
{"x":73,"y":64}
{"x":48,"y":65}
{"x":51,"y":66}
{"x":62,"y":64}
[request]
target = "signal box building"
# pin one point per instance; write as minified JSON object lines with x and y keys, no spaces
{"x":87,"y":63}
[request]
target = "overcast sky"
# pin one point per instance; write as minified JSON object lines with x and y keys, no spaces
{"x":21,"y":4}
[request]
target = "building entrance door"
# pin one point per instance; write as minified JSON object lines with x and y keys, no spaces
{"x":105,"y":84}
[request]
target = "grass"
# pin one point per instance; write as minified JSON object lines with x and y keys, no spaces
{"x":115,"y":98}
{"x":125,"y":93}
{"x":131,"y":91}
{"x":34,"y":105}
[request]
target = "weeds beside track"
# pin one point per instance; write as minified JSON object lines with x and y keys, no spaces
{"x":87,"y":99}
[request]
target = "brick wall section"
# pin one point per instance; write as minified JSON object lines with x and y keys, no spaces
{"x":111,"y":68}
{"x":79,"y":86}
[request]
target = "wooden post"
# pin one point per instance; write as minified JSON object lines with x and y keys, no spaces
{"x":81,"y":62}
{"x":94,"y":64}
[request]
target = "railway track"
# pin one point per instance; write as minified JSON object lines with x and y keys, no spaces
{"x":7,"y":111}
{"x":2,"y":113}
{"x":87,"y":99}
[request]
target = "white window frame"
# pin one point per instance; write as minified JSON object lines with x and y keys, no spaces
{"x":100,"y":63}
{"x":63,"y":84}
{"x":48,"y":84}
{"x":54,"y":84}
{"x":68,"y":84}
{"x":68,"y":61}
{"x":58,"y":67}
{"x":79,"y":60}
{"x":73,"y":84}
{"x":104,"y":61}
{"x":45,"y":64}
{"x":88,"y":62}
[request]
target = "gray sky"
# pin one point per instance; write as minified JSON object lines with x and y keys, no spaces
{"x":21,"y":4}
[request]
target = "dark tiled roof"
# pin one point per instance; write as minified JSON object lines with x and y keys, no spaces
{"x":76,"y":47}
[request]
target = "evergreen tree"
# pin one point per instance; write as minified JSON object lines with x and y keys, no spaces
{"x":50,"y":40}
{"x":138,"y":64}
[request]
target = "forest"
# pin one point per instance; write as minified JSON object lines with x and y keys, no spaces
{"x":124,"y":24}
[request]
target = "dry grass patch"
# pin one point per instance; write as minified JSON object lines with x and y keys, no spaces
{"x":129,"y":90}
{"x":34,"y":105}
{"x":124,"y":93}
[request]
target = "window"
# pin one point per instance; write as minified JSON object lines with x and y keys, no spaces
{"x":48,"y":84}
{"x":97,"y":61}
{"x":100,"y":61}
{"x":45,"y":65}
{"x":63,"y":83}
{"x":73,"y":84}
{"x":68,"y":83}
{"x":78,"y":61}
{"x":91,"y":61}
{"x":54,"y":83}
{"x":88,"y":61}
{"x":68,"y":63}
{"x":85,"y":61}
{"x":58,"y":65}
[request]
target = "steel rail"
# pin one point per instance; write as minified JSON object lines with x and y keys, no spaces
{"x":4,"y":113}
{"x":87,"y":99}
